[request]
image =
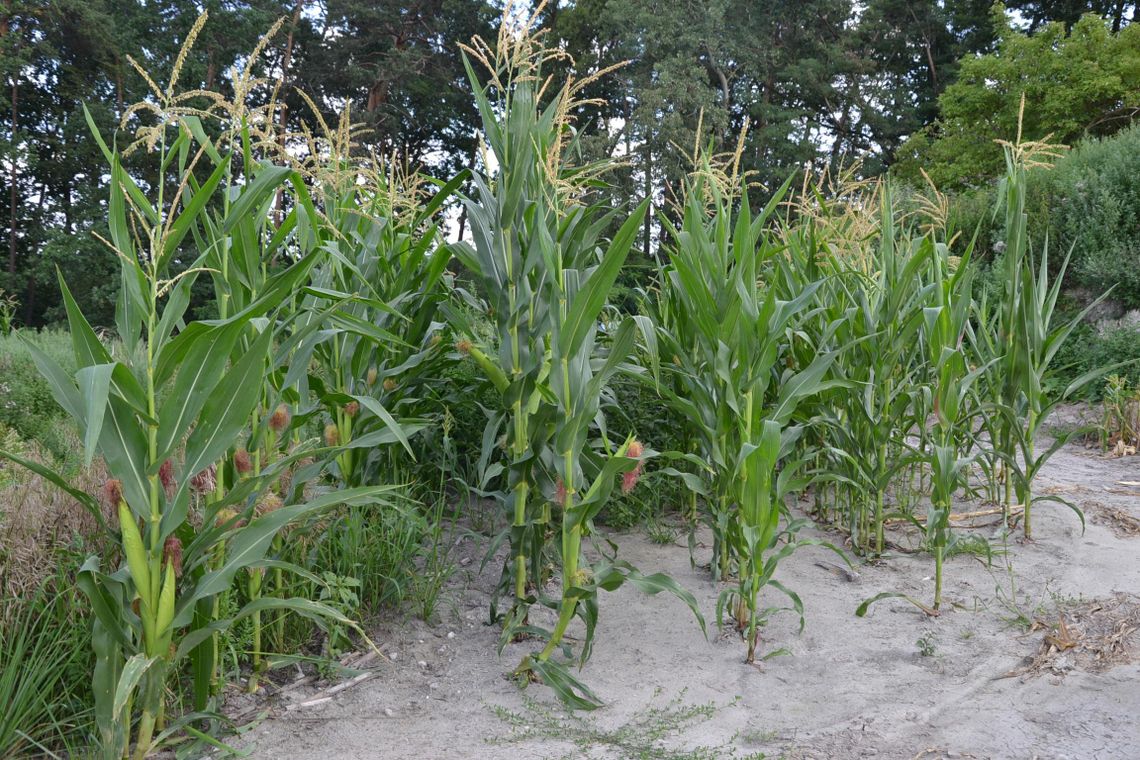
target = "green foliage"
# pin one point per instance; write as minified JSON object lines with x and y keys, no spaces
{"x":649,"y":735}
{"x":376,"y":546}
{"x":541,"y":262}
{"x":843,"y":346}
{"x":1120,"y":415}
{"x":45,"y":661}
{"x":1092,"y":204}
{"x":1090,"y":349}
{"x":1078,"y":82}
{"x":186,"y":391}
{"x":26,"y":402}
{"x":727,"y":305}
{"x":927,"y":644}
{"x":638,"y":409}
{"x":1087,"y":202}
{"x":8,"y":306}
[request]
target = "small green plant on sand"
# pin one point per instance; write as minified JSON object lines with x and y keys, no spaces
{"x":651,"y":734}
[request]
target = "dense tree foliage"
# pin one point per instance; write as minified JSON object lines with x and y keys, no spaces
{"x":1076,"y":83}
{"x":820,"y":82}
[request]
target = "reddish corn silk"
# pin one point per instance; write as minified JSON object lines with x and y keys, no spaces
{"x":351,"y":408}
{"x":560,"y":493}
{"x":463,"y":346}
{"x":205,"y":481}
{"x":279,"y":420}
{"x":166,"y":476}
{"x":172,"y":553}
{"x":242,"y":462}
{"x":112,"y":493}
{"x":629,"y":479}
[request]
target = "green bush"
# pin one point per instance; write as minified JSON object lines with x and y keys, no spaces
{"x":1092,"y":199}
{"x":1089,"y":202}
{"x":1088,"y":350}
{"x":26,"y":403}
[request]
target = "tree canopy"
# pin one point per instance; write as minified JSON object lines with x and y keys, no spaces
{"x":1080,"y":82}
{"x":819,"y":82}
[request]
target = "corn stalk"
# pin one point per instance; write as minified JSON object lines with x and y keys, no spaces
{"x":541,"y":262}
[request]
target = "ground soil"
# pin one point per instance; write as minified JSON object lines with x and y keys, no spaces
{"x":1036,"y":662}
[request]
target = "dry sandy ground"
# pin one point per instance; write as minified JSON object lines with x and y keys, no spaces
{"x":851,"y":688}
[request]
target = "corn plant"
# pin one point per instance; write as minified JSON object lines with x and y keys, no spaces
{"x":374,"y":300}
{"x":1120,"y":415}
{"x":1026,"y":342}
{"x":164,"y":416}
{"x":729,"y":334}
{"x":946,"y":323}
{"x":877,"y":306}
{"x":541,"y":262}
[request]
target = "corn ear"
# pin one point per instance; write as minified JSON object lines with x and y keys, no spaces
{"x":135,"y":553}
{"x":166,"y":604}
{"x":496,"y":375}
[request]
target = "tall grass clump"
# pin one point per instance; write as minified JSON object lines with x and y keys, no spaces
{"x":44,"y":662}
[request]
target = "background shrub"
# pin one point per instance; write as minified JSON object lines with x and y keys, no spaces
{"x":26,"y":403}
{"x":1090,"y":349}
{"x":1089,"y":202}
{"x":1092,"y":203}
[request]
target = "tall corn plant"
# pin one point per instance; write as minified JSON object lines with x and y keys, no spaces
{"x":542,"y":265}
{"x":374,"y":301}
{"x":946,"y":401}
{"x":877,"y":305}
{"x":729,"y":335}
{"x":164,"y":417}
{"x":1021,"y":338}
{"x":949,"y":455}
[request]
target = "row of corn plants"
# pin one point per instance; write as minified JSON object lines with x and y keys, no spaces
{"x":211,"y":429}
{"x":943,"y":392}
{"x":854,"y":361}
{"x":736,"y":373}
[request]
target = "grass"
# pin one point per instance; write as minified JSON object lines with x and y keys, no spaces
{"x":44,"y":662}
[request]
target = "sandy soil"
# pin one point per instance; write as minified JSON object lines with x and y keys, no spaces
{"x":852,"y":687}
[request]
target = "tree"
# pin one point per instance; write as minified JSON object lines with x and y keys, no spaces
{"x":1041,"y":12}
{"x":1082,"y":82}
{"x":698,"y":70}
{"x":397,"y":66}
